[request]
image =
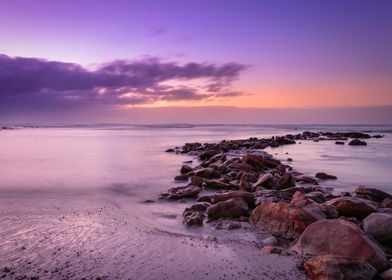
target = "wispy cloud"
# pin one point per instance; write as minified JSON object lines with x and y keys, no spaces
{"x":41,"y":83}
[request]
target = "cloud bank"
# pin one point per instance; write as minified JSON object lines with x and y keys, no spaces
{"x":32,"y":83}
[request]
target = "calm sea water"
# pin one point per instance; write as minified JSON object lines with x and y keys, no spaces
{"x":83,"y":159}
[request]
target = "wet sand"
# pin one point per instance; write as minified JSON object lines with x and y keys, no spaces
{"x":93,"y":236}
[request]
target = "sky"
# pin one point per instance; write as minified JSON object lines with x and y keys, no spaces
{"x":219,"y":61}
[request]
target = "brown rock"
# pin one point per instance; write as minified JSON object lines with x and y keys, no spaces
{"x":207,"y":173}
{"x":329,"y":267}
{"x":216,"y":185}
{"x":283,"y":219}
{"x":299,"y":199}
{"x":341,"y":238}
{"x":378,"y":195}
{"x":379,"y":226}
{"x":231,"y":208}
{"x":253,"y":159}
{"x":352,"y":207}
{"x":248,"y":197}
{"x":181,"y":192}
{"x":286,"y":181}
{"x":185,"y":169}
{"x":182,"y":177}
{"x":325,"y":176}
{"x":306,"y":180}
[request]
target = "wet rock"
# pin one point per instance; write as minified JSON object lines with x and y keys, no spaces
{"x":352,"y":207}
{"x":339,"y":143}
{"x":231,"y":208}
{"x":197,"y":181}
{"x":193,"y":218}
{"x":316,"y":196}
{"x":386,"y":203}
{"x":208,"y":154}
{"x":228,"y":225}
{"x":379,"y":226}
{"x":182,"y":177}
{"x":274,"y":250}
{"x":181,"y":192}
{"x":185,"y":169}
{"x":199,"y":207}
{"x":329,"y":267}
{"x":266,"y":181}
{"x":306,"y":180}
{"x":248,"y":197}
{"x":386,"y":275}
{"x":378,"y":136}
{"x":289,"y":159}
{"x":170,"y":151}
{"x":204,"y":198}
{"x":207,"y":173}
{"x":286,"y":181}
{"x":325,"y":176}
{"x":299,"y":199}
{"x":376,"y":194}
{"x":283,"y":219}
{"x":341,"y":238}
{"x":270,"y":241}
{"x":253,"y":159}
{"x":357,"y":142}
{"x":217,"y":185}
{"x":271,"y":162}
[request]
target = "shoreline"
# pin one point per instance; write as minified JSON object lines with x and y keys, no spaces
{"x":235,"y":182}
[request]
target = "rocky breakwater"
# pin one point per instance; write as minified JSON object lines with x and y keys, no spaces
{"x":345,"y":236}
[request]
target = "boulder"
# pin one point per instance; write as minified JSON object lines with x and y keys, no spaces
{"x":379,"y":226}
{"x":253,"y":159}
{"x":182,"y":177}
{"x":386,"y":203}
{"x":299,"y":199}
{"x":352,"y":207}
{"x":207,"y":173}
{"x":341,"y":238}
{"x":193,"y":218}
{"x":286,"y":181}
{"x":306,"y":180}
{"x":387,"y":275}
{"x":248,"y":197}
{"x":339,"y":143}
{"x":316,"y":196}
{"x":185,"y":169}
{"x":181,"y":192}
{"x":329,"y":267}
{"x":216,"y":185}
{"x":199,"y":207}
{"x":265,"y":180}
{"x":376,"y":194}
{"x":231,"y":208}
{"x":283,"y":219}
{"x":357,"y":142}
{"x":325,"y":176}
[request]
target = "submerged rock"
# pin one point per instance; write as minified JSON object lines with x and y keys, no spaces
{"x":329,"y":267}
{"x":357,"y":142}
{"x":181,"y":192}
{"x":341,"y":238}
{"x":325,"y":176}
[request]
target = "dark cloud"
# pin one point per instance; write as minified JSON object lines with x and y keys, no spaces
{"x":34,"y":82}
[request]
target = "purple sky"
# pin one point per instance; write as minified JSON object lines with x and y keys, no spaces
{"x":61,"y":58}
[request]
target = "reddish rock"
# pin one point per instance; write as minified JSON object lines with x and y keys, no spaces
{"x":325,"y":176}
{"x":207,"y":173}
{"x":286,"y":181}
{"x":283,"y":219}
{"x":341,"y":238}
{"x":376,"y":194}
{"x":253,"y":159}
{"x":181,"y":192}
{"x":329,"y":267}
{"x":247,"y":196}
{"x":352,"y":207}
{"x":299,"y":199}
{"x":232,"y":208}
{"x":185,"y":169}
{"x":379,"y":226}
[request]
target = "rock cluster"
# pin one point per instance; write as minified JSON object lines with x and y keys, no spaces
{"x":347,"y":236}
